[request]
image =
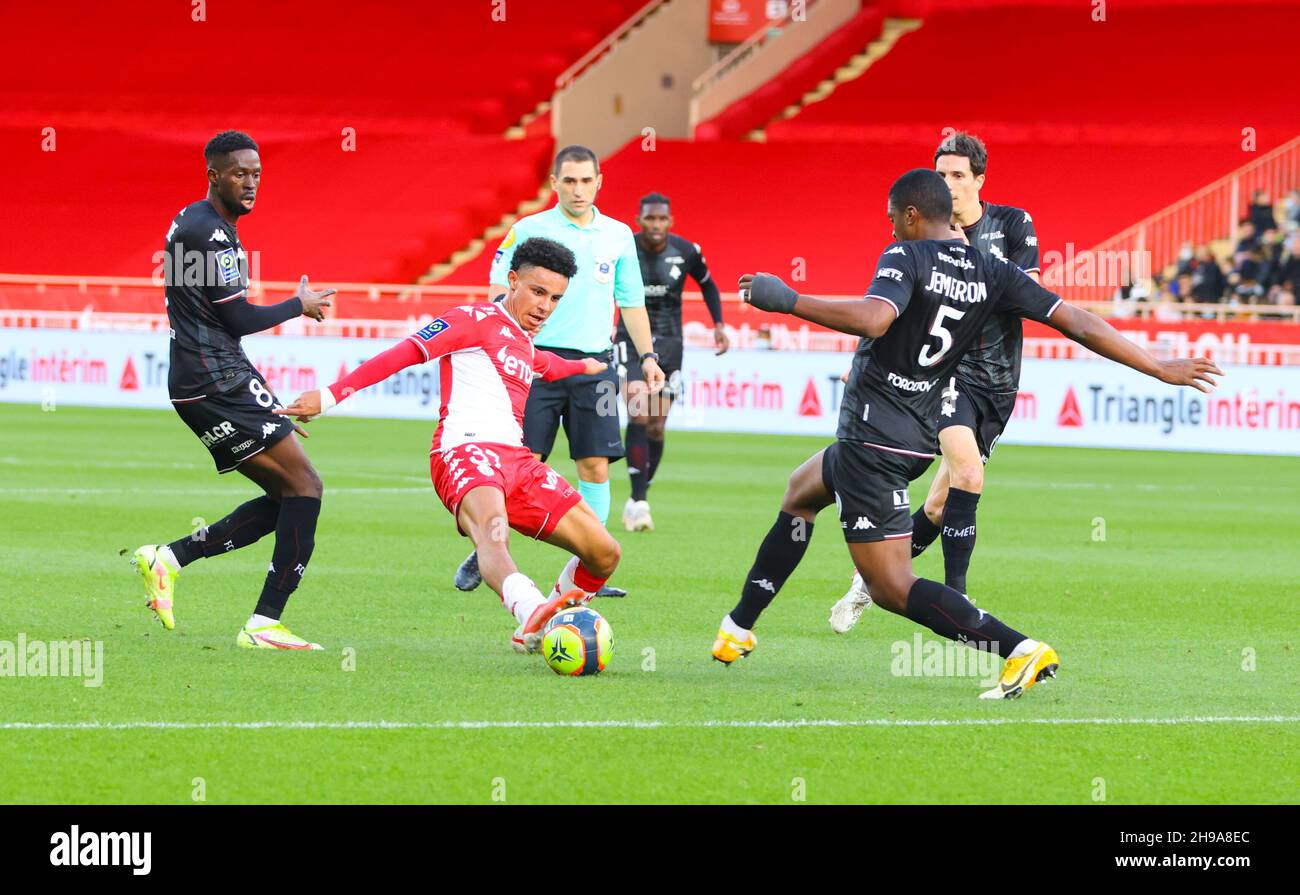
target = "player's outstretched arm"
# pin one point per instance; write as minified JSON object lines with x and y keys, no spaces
{"x":552,"y":367}
{"x":1100,"y":337}
{"x":312,"y":404}
{"x":242,"y":318}
{"x":867,"y":318}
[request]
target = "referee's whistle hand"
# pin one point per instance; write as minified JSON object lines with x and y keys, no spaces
{"x":654,"y":375}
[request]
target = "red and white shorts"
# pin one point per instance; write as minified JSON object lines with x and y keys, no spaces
{"x":536,"y":496}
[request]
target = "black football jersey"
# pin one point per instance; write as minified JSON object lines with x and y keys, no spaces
{"x":204,"y":267}
{"x":664,"y":274}
{"x":993,"y":362}
{"x":944,"y":293}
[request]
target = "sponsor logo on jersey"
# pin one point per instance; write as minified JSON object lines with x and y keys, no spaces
{"x":268,"y":428}
{"x":996,"y":234}
{"x":963,"y":263}
{"x":675,"y":273}
{"x":901,"y":499}
{"x":243,"y":446}
{"x":505,"y":331}
{"x":220,"y":431}
{"x":996,"y":252}
{"x":863,"y":524}
{"x":515,"y":366}
{"x":955,"y":289}
{"x":433,"y":329}
{"x":656,"y":291}
{"x":219,"y":235}
{"x":1031,"y":240}
{"x":909,"y":385}
{"x":675,"y":259}
{"x":891,"y":273}
{"x":765,"y":584}
{"x":896,"y":250}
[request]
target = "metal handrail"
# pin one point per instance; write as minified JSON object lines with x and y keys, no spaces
{"x":566,"y":77}
{"x":742,"y":49}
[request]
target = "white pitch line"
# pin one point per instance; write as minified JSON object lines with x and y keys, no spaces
{"x":639,"y":725}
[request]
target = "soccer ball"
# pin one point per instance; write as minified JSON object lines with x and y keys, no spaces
{"x":577,"y":641}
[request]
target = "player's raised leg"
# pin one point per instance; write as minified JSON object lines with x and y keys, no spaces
{"x":285,"y":473}
{"x":965,"y":483}
{"x":482,"y":515}
{"x":886,"y":566}
{"x":806,"y":494}
{"x":160,"y":564}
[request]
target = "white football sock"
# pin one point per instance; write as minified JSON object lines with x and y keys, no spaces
{"x":260,"y":621}
{"x":1024,"y":648}
{"x":734,"y":629}
{"x":165,"y":551}
{"x":565,"y":584}
{"x":520,"y":596}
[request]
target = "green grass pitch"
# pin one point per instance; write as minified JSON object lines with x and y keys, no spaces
{"x":1169,"y":583}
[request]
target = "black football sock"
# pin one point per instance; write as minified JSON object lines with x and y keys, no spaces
{"x":949,"y":614}
{"x":777,"y":558}
{"x":958,"y":536}
{"x":923,"y":532}
{"x":245,"y":525}
{"x":295,"y":538}
{"x":656,"y":454}
{"x":638,"y":460}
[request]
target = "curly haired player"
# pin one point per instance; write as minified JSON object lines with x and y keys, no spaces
{"x":481,"y":470}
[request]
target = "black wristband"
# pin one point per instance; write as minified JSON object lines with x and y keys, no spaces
{"x":649,"y":355}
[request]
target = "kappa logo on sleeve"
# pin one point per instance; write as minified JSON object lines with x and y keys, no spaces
{"x":433,"y":329}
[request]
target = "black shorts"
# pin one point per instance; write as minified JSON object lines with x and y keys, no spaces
{"x":237,"y":424}
{"x":984,"y":413}
{"x":586,"y":405}
{"x":670,"y":353}
{"x":870,"y":489}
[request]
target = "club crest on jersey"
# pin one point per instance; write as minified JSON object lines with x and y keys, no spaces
{"x":433,"y":329}
{"x":227,"y":266}
{"x":604,"y":272}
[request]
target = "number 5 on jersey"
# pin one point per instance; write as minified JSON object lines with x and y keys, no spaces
{"x":926,"y":359}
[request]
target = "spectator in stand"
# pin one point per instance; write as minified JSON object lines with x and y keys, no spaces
{"x":1284,"y":295}
{"x":1261,"y":212}
{"x":1186,"y":259}
{"x":1292,"y":211}
{"x":1181,"y":288}
{"x":1246,"y":237}
{"x":1288,"y":263}
{"x":1245,"y":278}
{"x":1207,"y":281}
